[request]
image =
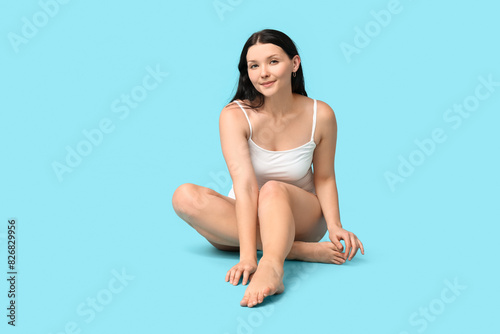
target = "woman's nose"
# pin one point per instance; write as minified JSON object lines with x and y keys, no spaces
{"x":264,"y":71}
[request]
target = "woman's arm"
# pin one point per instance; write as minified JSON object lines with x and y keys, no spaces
{"x":326,"y":189}
{"x":246,"y":218}
{"x":325,"y":183}
{"x":233,"y":128}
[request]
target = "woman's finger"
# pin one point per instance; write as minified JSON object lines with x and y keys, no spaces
{"x":347,"y":241}
{"x":233,"y":273}
{"x":237,"y":277}
{"x":228,"y":275}
{"x":361,"y":246}
{"x":245,"y":277}
{"x":336,"y":243}
{"x":354,"y":247}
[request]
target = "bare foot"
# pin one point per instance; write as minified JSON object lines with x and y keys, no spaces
{"x":266,"y":281}
{"x":324,"y":252}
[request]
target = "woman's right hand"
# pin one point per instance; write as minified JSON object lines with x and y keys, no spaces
{"x":245,"y":268}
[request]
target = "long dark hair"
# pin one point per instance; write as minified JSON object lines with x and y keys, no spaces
{"x":245,"y":89}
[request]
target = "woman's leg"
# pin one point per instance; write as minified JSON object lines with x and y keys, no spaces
{"x":286,"y":213}
{"x":209,"y":213}
{"x":213,"y":216}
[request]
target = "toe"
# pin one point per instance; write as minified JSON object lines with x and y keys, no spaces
{"x":253,"y":300}
{"x":244,"y":301}
{"x":260,"y":297}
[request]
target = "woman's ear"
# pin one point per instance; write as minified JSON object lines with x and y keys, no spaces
{"x":296,"y":63}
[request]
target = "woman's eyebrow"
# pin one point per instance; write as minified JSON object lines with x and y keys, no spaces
{"x":273,"y":55}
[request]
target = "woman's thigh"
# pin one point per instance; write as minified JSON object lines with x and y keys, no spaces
{"x":210,"y":213}
{"x":214,"y":215}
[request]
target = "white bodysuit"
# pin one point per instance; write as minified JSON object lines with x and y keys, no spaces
{"x":293,"y":166}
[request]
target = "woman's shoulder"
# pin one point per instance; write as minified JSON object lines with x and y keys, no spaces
{"x":325,"y":117}
{"x":231,"y":115}
{"x":230,"y":119}
{"x":324,"y":111}
{"x":235,"y":104}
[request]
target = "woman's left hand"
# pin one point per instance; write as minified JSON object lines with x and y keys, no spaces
{"x":352,"y":243}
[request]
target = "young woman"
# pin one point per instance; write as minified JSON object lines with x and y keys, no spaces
{"x":270,"y":134}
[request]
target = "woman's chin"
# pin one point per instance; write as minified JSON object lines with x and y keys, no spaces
{"x":269,"y":93}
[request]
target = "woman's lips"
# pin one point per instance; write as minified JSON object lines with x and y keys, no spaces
{"x":269,"y":84}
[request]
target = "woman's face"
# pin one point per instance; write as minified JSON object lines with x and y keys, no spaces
{"x":269,"y":63}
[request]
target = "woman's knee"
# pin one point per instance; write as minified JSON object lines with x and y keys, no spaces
{"x":190,"y":199}
{"x":272,"y":190}
{"x":182,"y":199}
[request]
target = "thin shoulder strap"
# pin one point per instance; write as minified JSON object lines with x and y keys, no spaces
{"x":248,"y":119}
{"x":314,"y":119}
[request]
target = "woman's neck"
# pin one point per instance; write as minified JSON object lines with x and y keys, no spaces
{"x":280,"y":104}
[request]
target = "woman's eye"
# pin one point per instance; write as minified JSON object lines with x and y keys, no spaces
{"x":252,"y":66}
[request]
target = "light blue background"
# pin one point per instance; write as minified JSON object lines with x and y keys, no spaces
{"x":114,"y":212}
